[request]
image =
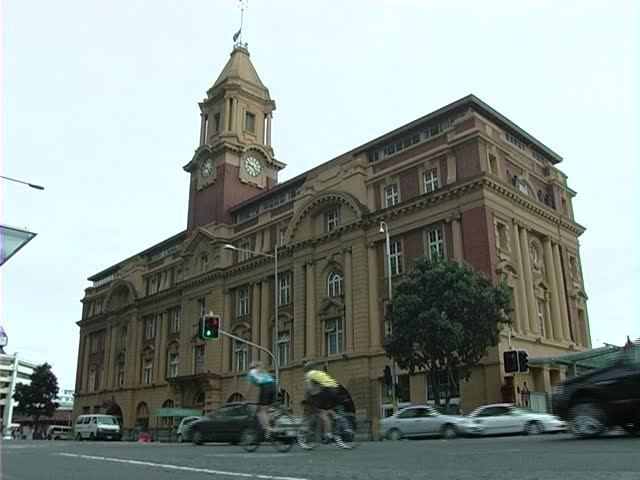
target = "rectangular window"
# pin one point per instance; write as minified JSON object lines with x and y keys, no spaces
{"x":94,"y":344}
{"x":333,"y":336}
{"x":243,"y":301}
{"x":284,"y":289}
{"x":199,"y":359}
{"x":436,"y":244}
{"x":202,"y":308}
{"x":150,"y":328}
{"x":430,"y":180}
{"x":250,"y":122}
{"x":147,"y":370}
{"x":174,"y":362}
{"x":240,"y":352}
{"x":503,"y":238}
{"x":244,"y":251}
{"x":332,"y":220}
{"x":216,"y":121}
{"x":120,"y":380}
{"x":541,"y":316}
{"x":175,"y":319}
{"x":92,"y":380}
{"x":396,"y":257}
{"x":282,"y":348}
{"x":391,"y":196}
{"x":283,"y":237}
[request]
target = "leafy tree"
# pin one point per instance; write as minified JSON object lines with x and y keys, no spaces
{"x":37,"y":398}
{"x":444,"y":316}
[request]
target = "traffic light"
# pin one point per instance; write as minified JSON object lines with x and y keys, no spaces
{"x":209,"y":328}
{"x":523,"y":361}
{"x":510,"y":358}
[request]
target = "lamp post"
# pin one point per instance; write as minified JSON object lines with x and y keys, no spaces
{"x":384,"y":228}
{"x":228,"y":246}
{"x":32,"y":185}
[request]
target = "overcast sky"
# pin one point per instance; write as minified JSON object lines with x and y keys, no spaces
{"x":99,"y":105}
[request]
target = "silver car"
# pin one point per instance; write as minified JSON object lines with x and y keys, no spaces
{"x":506,"y":418}
{"x":422,"y":421}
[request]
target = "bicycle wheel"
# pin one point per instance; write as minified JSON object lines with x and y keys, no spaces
{"x":309,"y":433}
{"x":283,"y":435}
{"x":251,"y":437}
{"x":346,"y":431}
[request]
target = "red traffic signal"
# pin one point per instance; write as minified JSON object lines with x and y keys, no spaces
{"x":510,"y":358}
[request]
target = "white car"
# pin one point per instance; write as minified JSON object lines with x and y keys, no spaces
{"x":505,"y":418}
{"x":422,"y":421}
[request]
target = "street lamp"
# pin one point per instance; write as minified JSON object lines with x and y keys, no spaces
{"x":384,"y":228}
{"x":228,"y":246}
{"x":32,"y":185}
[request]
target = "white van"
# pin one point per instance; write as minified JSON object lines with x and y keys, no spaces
{"x":97,"y":427}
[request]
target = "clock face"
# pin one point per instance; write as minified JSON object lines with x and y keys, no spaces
{"x":207,"y":167}
{"x":252,"y":166}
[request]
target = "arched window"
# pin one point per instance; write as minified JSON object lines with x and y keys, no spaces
{"x":236,"y":397}
{"x":167,"y":421}
{"x":204,"y":262}
{"x":142,"y":415}
{"x":334,"y":284}
{"x":198,"y":401}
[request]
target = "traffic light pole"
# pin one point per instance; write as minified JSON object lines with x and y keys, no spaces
{"x":275,"y":360}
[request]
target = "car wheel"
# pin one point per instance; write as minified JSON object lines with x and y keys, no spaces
{"x":632,"y":428}
{"x":180,"y":439}
{"x":56,"y":438}
{"x":78,"y":437}
{"x":197,"y":437}
{"x":533,"y":428}
{"x":448,"y":431}
{"x":587,"y":419}
{"x":92,"y":436}
{"x":394,"y":434}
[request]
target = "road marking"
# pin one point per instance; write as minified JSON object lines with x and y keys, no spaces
{"x":180,"y":467}
{"x":251,"y":455}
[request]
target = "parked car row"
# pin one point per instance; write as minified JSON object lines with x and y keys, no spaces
{"x":496,"y":419}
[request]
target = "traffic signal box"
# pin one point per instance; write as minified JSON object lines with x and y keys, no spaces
{"x":515,"y":361}
{"x":209,"y":327}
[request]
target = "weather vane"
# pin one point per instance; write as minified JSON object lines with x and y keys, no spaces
{"x":242,"y":5}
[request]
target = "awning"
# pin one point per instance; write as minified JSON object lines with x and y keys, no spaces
{"x":178,"y":412}
{"x":591,"y":359}
{"x":11,"y":240}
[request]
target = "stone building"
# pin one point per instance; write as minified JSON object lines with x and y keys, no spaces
{"x":463,"y":182}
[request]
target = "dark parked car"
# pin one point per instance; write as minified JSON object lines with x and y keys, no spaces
{"x":229,"y":423}
{"x":606,"y":398}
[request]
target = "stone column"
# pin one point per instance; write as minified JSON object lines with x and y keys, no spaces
{"x":564,"y":315}
{"x":549,"y":265}
{"x":85,"y":361}
{"x":548,"y":324}
{"x":203,"y":128}
{"x":269,"y":120}
{"x":162,"y":346}
{"x":456,"y":230}
{"x":255,"y":318}
{"x":226,"y":341}
{"x":311,"y":310}
{"x":523,"y":312}
{"x":265,"y":315}
{"x":374,"y":311}
{"x":107,"y":362}
{"x":227,"y":115}
{"x":528,"y":277}
{"x":348,"y":301}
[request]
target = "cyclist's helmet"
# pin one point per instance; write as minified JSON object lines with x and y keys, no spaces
{"x":307,"y":366}
{"x":255,"y":364}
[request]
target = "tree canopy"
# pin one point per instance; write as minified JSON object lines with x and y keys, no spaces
{"x":37,"y":398}
{"x":444,"y":316}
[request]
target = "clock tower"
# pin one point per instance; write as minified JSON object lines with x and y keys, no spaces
{"x":234,"y":160}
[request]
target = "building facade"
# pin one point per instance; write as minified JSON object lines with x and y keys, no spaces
{"x":14,"y":370}
{"x":462,"y":182}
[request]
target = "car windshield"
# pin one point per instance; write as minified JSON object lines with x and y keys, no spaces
{"x":107,"y":421}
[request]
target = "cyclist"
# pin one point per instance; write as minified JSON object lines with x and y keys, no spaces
{"x":266,"y":397}
{"x":322,"y":391}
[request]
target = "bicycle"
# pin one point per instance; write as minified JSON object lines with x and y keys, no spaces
{"x":282,"y":434}
{"x":343,"y":429}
